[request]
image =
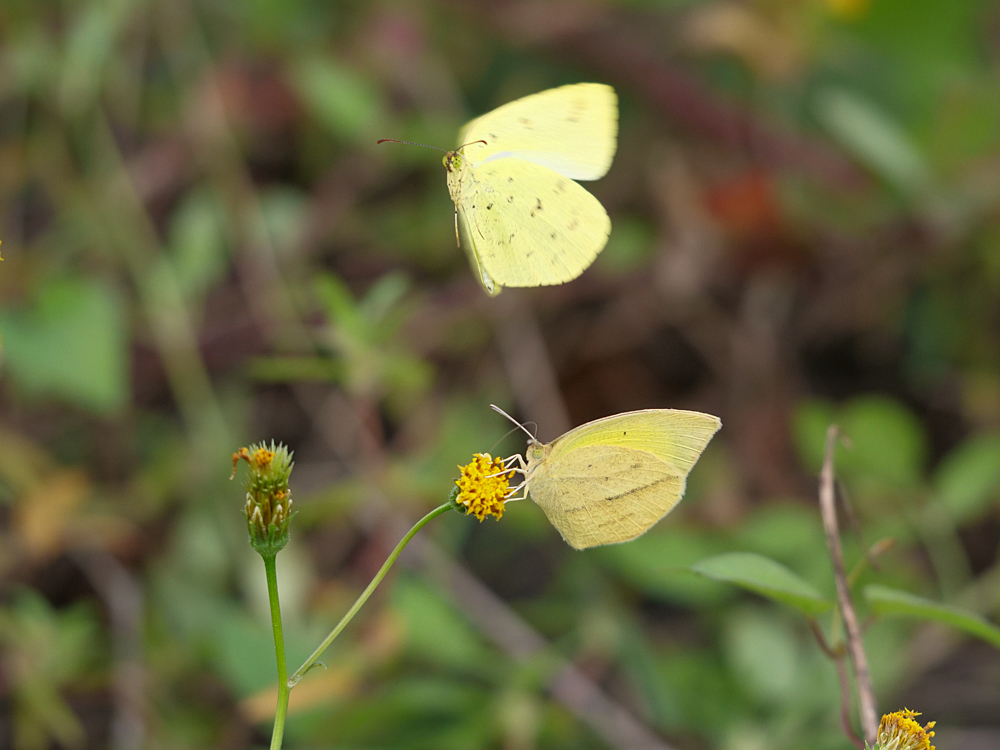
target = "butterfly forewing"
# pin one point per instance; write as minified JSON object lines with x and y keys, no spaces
{"x":571,"y":129}
{"x":673,"y":435}
{"x":530,"y":226}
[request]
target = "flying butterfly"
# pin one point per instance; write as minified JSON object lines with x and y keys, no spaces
{"x":525,"y":221}
{"x":612,"y":479}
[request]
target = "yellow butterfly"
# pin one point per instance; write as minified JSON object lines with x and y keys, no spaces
{"x":610,"y":480}
{"x":525,"y":221}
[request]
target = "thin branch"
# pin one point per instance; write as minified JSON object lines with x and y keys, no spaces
{"x":837,"y":657}
{"x":855,"y":647}
{"x":825,"y":647}
{"x":845,"y":703}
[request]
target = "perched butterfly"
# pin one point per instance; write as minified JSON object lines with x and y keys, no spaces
{"x":524,"y":219}
{"x":610,"y":480}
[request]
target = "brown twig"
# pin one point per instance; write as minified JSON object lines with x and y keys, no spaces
{"x":837,"y":657}
{"x":845,"y":704}
{"x":855,"y":647}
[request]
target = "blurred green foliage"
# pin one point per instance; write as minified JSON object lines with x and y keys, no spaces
{"x":203,"y":247}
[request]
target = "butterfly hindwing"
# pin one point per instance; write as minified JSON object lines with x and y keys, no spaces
{"x":528,"y":225}
{"x":604,"y":495}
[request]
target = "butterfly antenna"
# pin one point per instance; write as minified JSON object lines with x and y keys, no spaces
{"x":497,"y":409}
{"x":409,"y":143}
{"x":470,"y":143}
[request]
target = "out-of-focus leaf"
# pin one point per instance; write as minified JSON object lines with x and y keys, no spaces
{"x":339,"y":303}
{"x":885,"y":441}
{"x":968,"y":480}
{"x":283,"y":213}
{"x":790,"y":533}
{"x":434,"y":630}
{"x":71,"y":344}
{"x":886,"y":601}
{"x":764,"y":653}
{"x":765,"y":577}
{"x":809,"y":424}
{"x":874,"y":138}
{"x":52,"y":649}
{"x":343,"y":101}
{"x":197,"y":243}
{"x":90,"y":46}
{"x":652,"y":561}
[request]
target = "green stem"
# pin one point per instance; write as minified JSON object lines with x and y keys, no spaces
{"x":308,"y":663}
{"x":279,"y":650}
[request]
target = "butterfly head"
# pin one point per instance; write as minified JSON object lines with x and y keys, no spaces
{"x":453,"y":161}
{"x":535,"y":453}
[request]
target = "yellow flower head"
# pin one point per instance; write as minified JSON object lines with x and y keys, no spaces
{"x":484,"y":486}
{"x":899,"y":731}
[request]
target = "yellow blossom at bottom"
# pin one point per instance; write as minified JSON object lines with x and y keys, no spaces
{"x":899,"y":731}
{"x":484,"y":486}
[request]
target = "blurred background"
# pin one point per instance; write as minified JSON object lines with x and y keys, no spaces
{"x":203,"y":247}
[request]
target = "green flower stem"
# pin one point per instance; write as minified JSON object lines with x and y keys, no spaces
{"x":300,"y":672}
{"x":279,"y":650}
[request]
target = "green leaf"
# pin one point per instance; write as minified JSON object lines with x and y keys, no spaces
{"x":886,"y":601}
{"x":874,"y":138}
{"x":887,"y":441}
{"x":344,"y":102}
{"x":764,"y":576}
{"x":71,"y":344}
{"x":649,"y":561}
{"x":196,"y":239}
{"x":968,"y":480}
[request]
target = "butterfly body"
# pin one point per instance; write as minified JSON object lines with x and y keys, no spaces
{"x":525,"y":220}
{"x":610,"y":480}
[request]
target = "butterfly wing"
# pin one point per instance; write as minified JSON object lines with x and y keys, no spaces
{"x":529,"y":226}
{"x":572,"y":130}
{"x":610,"y":480}
{"x":672,"y":435}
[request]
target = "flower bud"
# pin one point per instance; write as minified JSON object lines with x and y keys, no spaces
{"x":268,"y":508}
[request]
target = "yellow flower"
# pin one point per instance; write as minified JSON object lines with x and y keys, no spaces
{"x":899,"y":731}
{"x":484,"y":486}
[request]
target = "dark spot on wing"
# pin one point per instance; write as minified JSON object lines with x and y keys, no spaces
{"x":510,"y":198}
{"x":573,"y":224}
{"x":538,"y":207}
{"x":576,"y":109}
{"x":553,"y":235}
{"x":525,"y":122}
{"x":489,"y":206}
{"x":510,"y":179}
{"x":560,"y":187}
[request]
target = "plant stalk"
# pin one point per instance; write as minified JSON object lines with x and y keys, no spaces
{"x":307,"y":665}
{"x":279,"y":651}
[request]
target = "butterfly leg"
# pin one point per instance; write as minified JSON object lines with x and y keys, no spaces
{"x":458,"y":242}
